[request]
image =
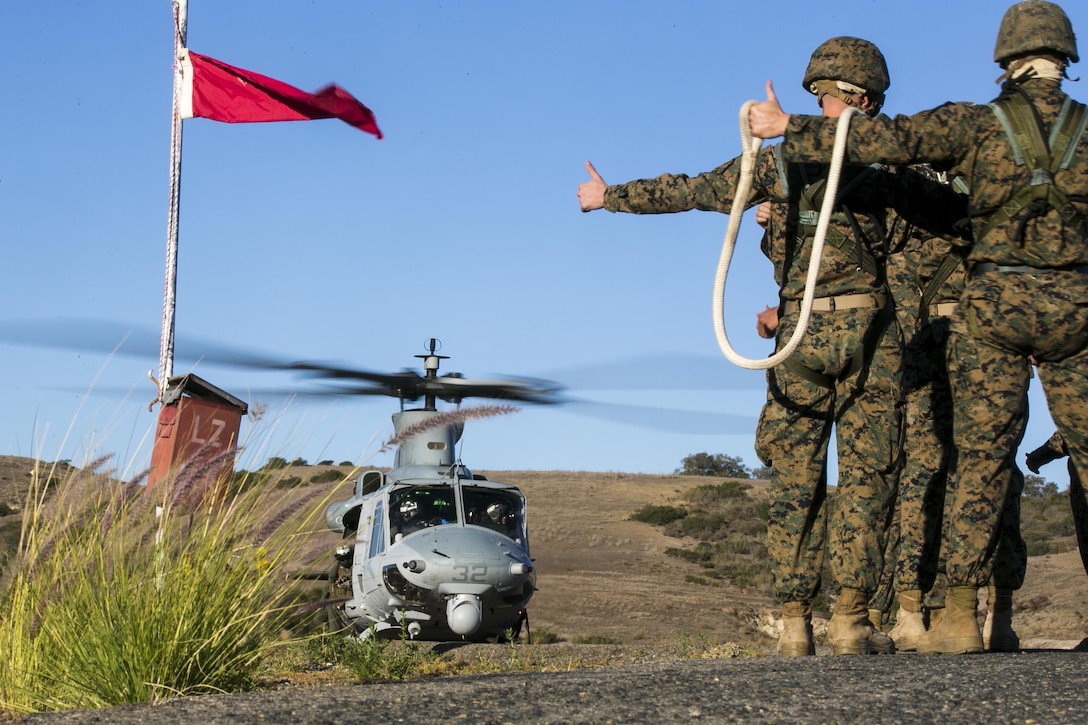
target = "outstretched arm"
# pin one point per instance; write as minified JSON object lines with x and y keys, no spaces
{"x":591,"y":193}
{"x":767,"y":119}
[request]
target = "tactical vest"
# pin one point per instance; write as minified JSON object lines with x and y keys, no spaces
{"x":809,"y":203}
{"x":1044,"y":157}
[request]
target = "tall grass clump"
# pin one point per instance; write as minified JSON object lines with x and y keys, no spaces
{"x":119,"y":593}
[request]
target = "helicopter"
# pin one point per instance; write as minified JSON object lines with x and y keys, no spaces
{"x":431,"y":550}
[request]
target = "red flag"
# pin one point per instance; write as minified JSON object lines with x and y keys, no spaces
{"x":214,"y":90}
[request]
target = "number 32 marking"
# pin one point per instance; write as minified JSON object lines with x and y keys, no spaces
{"x":476,"y":573}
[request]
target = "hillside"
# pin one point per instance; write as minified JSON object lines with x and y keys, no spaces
{"x":602,"y":575}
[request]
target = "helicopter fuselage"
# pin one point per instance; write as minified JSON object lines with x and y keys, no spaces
{"x":435,"y":554}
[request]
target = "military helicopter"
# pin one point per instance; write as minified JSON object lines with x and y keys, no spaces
{"x":431,"y":550}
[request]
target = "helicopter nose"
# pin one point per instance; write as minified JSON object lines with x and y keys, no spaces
{"x":463,"y":614}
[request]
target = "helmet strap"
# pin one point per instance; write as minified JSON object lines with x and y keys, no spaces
{"x":845,"y":92}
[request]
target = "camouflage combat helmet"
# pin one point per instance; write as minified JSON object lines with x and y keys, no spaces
{"x":853,"y":60}
{"x":1035,"y":25}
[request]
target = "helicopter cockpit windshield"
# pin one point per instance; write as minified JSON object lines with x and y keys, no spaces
{"x":499,"y":510}
{"x":417,"y":507}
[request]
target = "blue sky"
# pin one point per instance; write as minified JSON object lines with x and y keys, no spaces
{"x":316,"y":241}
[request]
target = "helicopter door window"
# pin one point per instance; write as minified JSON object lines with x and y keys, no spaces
{"x":377,"y":537}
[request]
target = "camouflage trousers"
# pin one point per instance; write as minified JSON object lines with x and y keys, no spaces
{"x":914,"y":535}
{"x":913,"y":557}
{"x":1001,"y":320}
{"x":793,"y":436}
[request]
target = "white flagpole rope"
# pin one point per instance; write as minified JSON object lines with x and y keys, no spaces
{"x":750,"y":151}
{"x":166,"y":345}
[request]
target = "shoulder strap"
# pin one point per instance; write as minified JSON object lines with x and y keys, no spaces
{"x":1043,"y":156}
{"x":1067,"y":133}
{"x":780,"y":164}
{"x":948,"y":265}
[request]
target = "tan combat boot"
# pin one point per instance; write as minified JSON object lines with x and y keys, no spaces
{"x":998,"y":634}
{"x":910,"y":623}
{"x":876,"y":618}
{"x":957,"y":632}
{"x":851,"y":632}
{"x":796,"y":639}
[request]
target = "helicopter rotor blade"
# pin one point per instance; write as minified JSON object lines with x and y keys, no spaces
{"x":92,"y":335}
{"x":661,"y":372}
{"x":674,"y":371}
{"x":132,"y":340}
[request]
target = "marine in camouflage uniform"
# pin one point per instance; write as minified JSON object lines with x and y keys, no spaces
{"x":845,"y":371}
{"x":914,"y":535}
{"x":927,"y":279}
{"x":1028,"y":287}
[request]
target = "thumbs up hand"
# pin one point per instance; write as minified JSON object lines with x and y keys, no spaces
{"x":591,"y":193}
{"x":767,"y":119}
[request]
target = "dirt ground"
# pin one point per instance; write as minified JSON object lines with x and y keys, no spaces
{"x":601,"y":575}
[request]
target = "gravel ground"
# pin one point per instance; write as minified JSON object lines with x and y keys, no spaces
{"x":1029,"y":687}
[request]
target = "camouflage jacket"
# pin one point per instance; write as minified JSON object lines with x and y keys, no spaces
{"x":968,"y":140}
{"x":881,"y":200}
{"x":911,"y":270}
{"x":928,"y":260}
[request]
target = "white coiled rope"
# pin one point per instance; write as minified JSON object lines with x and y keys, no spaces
{"x":751,"y":148}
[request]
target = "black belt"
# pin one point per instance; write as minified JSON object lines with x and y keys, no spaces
{"x":982,"y":267}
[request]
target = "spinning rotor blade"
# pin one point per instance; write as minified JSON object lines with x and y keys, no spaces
{"x":668,"y":420}
{"x":131,"y":340}
{"x":449,"y":389}
{"x":409,"y":385}
{"x":526,"y":390}
{"x":662,"y":372}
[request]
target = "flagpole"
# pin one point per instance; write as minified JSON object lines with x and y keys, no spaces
{"x":166,"y":347}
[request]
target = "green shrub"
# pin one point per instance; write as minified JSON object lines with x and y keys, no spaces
{"x":658,"y":515}
{"x":728,"y":525}
{"x":327,"y":476}
{"x":289,"y":482}
{"x":719,"y":464}
{"x":244,"y":480}
{"x":1046,"y":523}
{"x":709,"y":494}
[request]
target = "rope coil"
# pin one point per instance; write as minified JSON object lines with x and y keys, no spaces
{"x":750,"y":150}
